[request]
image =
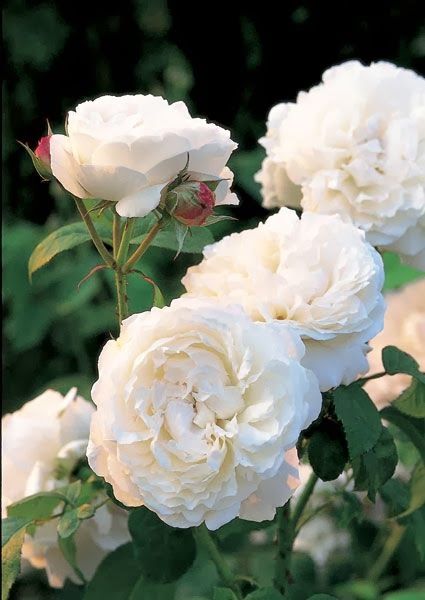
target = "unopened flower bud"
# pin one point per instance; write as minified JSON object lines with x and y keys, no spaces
{"x":191,"y":203}
{"x":42,"y":151}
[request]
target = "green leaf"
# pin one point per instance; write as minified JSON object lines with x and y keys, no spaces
{"x":359,"y":417}
{"x":412,"y":400}
{"x":164,"y":553}
{"x":327,"y":451}
{"x":73,"y":491}
{"x":11,"y":561}
{"x":194,"y":242}
{"x":396,"y":273}
{"x":410,"y":594}
{"x":10,"y":526}
{"x":69,"y":550}
{"x":396,"y":361}
{"x":35,"y":507}
{"x":68,"y":523}
{"x":116,"y":577}
{"x":322,"y":597}
{"x":373,"y":468}
{"x":213,"y":219}
{"x":62,"y":239}
{"x":267,"y":593}
{"x":413,"y":428}
{"x":222,"y":593}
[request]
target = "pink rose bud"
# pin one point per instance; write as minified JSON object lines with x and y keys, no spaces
{"x":42,"y":151}
{"x":191,"y":203}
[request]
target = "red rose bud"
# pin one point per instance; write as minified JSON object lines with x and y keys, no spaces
{"x":42,"y":151}
{"x":191,"y":203}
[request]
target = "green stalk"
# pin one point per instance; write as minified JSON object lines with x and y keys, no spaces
{"x":144,"y":245}
{"x":100,"y":246}
{"x":116,"y":233}
{"x":304,"y":498}
{"x":204,"y":539}
{"x":390,"y":547}
{"x":121,"y":245}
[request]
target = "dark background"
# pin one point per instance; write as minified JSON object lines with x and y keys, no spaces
{"x":230,"y":61}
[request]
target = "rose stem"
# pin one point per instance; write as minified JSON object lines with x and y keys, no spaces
{"x":204,"y":539}
{"x":100,"y":246}
{"x":286,"y":527}
{"x":116,"y":233}
{"x":121,"y":245}
{"x":144,"y":245}
{"x":390,"y":547}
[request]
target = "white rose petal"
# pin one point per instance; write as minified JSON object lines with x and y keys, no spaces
{"x":316,"y":274}
{"x":197,"y":407}
{"x":126,"y":149}
{"x":355,"y":144}
{"x":33,"y":438}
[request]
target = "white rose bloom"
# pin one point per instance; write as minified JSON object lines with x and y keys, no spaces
{"x":126,"y":149}
{"x":196,"y":407}
{"x":316,"y":273}
{"x":404,"y":327}
{"x":356,"y":145}
{"x":33,"y":438}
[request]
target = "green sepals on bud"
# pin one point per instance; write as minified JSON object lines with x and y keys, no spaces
{"x":41,"y":155}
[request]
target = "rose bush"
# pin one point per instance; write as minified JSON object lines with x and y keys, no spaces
{"x":292,"y":271}
{"x":49,"y":429}
{"x":126,"y":149}
{"x":196,"y":407}
{"x":356,"y":145}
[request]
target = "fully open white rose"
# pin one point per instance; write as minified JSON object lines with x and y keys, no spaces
{"x":316,"y":274}
{"x":127,"y":148}
{"x":46,"y":429}
{"x":404,"y":327}
{"x":196,"y":407}
{"x":356,"y":145}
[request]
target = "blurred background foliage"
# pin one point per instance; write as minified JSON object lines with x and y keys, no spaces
{"x":230,"y":62}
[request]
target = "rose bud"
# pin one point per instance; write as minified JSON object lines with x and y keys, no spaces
{"x":41,"y":156}
{"x":42,"y":151}
{"x":190,"y":203}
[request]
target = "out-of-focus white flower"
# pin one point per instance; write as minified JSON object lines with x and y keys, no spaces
{"x":46,"y":429}
{"x":196,"y":408}
{"x":316,"y":274}
{"x":126,"y":149}
{"x":320,"y":536}
{"x":356,"y":145}
{"x":404,"y":327}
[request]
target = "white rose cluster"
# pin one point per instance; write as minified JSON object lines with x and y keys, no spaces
{"x":197,"y":408}
{"x":126,"y":149}
{"x":314,"y":273}
{"x":355,"y":146}
{"x":46,"y":429}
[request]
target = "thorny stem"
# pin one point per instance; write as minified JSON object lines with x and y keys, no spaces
{"x":204,"y":539}
{"x":286,"y":533}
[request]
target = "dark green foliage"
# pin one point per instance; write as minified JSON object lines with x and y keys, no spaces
{"x":163,"y":553}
